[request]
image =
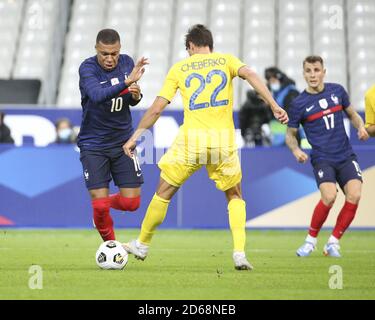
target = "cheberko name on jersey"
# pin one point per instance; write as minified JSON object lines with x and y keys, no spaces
{"x":206,"y":63}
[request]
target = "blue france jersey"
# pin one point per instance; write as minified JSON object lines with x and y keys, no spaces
{"x":106,"y":118}
{"x":322,"y":118}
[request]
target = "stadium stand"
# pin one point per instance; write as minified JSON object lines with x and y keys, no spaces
{"x":189,"y":12}
{"x":127,"y":28}
{"x":87,"y":18}
{"x":329,"y":38}
{"x":293,"y":34}
{"x":361,"y":48}
{"x":225,"y":21}
{"x":48,"y":39}
{"x":259,"y":43}
{"x":155,"y":43}
{"x":40,"y":45}
{"x":10,"y":22}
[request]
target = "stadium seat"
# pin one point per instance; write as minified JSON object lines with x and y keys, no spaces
{"x":10,"y":18}
{"x":36,"y":40}
{"x":329,"y":38}
{"x":127,"y":28}
{"x":293,"y":37}
{"x":361,"y":43}
{"x":40,"y":45}
{"x":189,"y":12}
{"x":225,"y":24}
{"x":259,"y":37}
{"x":225,"y":21}
{"x":154,"y":43}
{"x":86,"y":21}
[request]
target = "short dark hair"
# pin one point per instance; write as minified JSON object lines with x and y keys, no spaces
{"x":273,"y":72}
{"x":313,"y":59}
{"x":108,"y":36}
{"x":200,"y":36}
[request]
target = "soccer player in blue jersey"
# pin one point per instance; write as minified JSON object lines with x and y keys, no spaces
{"x":108,"y":87}
{"x":320,"y":109}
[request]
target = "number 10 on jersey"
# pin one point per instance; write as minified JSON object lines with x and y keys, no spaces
{"x":117,"y":104}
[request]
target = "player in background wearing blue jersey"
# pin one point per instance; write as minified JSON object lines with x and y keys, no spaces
{"x":320,"y":109}
{"x":108,"y":87}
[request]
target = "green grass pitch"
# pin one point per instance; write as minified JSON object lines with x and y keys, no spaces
{"x":184,"y":264}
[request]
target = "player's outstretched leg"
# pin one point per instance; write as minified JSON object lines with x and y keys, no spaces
{"x":155,"y":215}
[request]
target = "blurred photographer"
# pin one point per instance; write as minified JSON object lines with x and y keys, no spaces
{"x":282,"y":87}
{"x":284,"y":91}
{"x":254,"y":118}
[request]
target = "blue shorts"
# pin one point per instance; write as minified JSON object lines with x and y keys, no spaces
{"x":100,"y":166}
{"x":337,"y":172}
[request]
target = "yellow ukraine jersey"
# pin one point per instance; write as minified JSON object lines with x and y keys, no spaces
{"x":205,"y":84}
{"x":207,"y":136}
{"x":370,"y":106}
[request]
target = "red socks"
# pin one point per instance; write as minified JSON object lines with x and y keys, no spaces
{"x":319,"y":217}
{"x":102,"y":218}
{"x":344,"y":219}
{"x":124,"y":204}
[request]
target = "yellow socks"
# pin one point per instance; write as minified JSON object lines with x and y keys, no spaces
{"x":156,"y":212}
{"x":237,"y":221}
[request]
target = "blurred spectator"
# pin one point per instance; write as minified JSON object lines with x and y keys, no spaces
{"x":64,"y":131}
{"x":254,"y":117}
{"x":5,"y":135}
{"x":284,"y":91}
{"x":282,"y":87}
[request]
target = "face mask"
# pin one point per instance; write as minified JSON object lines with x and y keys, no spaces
{"x":275,"y":86}
{"x":64,"y":134}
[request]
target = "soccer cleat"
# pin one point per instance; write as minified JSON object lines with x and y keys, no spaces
{"x":240,"y":261}
{"x":137,"y":249}
{"x":332,"y":250}
{"x":306,"y":249}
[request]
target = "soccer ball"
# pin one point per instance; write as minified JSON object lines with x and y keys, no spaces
{"x":111,"y":255}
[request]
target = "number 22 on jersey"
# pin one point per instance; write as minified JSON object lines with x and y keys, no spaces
{"x":202,"y":85}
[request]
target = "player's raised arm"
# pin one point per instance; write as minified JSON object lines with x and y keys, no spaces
{"x":137,"y":71}
{"x":91,"y":85}
{"x":253,"y":79}
{"x":357,"y":122}
{"x":292,"y":143}
{"x":147,"y":121}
